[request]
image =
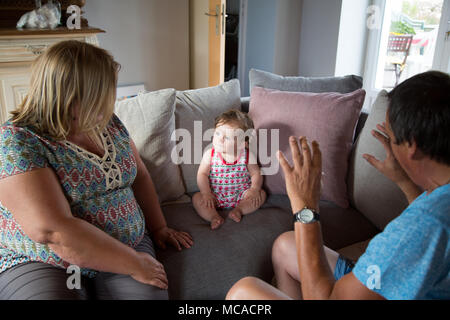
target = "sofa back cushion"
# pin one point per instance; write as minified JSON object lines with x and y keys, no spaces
{"x":374,"y":195}
{"x":269,"y":80}
{"x":195,"y":113}
{"x":150,"y":120}
{"x":329,"y":118}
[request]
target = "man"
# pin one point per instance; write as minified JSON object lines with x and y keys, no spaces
{"x":410,"y":259}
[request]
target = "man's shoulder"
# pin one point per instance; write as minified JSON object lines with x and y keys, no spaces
{"x":431,"y":208}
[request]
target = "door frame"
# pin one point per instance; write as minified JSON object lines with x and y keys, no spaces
{"x":372,"y":55}
{"x":442,"y":54}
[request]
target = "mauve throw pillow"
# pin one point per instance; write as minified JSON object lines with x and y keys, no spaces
{"x":329,"y":118}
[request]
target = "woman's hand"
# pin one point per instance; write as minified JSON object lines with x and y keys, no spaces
{"x":150,"y":271}
{"x":303,"y":180}
{"x":175,"y":238}
{"x":390,"y":166}
{"x":209,"y":200}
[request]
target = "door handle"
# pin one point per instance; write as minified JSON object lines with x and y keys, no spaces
{"x":218,"y":15}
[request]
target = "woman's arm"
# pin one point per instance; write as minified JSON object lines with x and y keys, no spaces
{"x":147,"y":198}
{"x":38,"y":204}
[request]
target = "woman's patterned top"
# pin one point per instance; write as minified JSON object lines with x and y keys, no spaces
{"x":98,"y":189}
{"x":229,"y":181}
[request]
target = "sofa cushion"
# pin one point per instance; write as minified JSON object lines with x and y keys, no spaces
{"x":202,"y":105}
{"x":343,"y":227}
{"x":269,"y":80}
{"x":329,"y":118}
{"x":340,"y":227}
{"x":371,"y":193}
{"x":220,"y":258}
{"x":150,"y":120}
{"x":355,"y":251}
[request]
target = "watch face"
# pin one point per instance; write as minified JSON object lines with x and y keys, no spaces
{"x":307,"y":216}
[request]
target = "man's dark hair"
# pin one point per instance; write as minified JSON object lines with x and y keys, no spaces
{"x":419,"y":111}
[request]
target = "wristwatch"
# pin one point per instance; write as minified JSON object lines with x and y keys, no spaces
{"x":306,"y":216}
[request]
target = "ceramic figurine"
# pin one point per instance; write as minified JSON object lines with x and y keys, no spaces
{"x":47,"y":16}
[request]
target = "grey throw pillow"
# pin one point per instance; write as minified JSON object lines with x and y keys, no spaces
{"x":201,"y":106}
{"x":375,"y":196}
{"x":150,"y":119}
{"x":269,"y":80}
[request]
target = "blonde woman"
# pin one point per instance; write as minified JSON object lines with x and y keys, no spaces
{"x":74,"y":191}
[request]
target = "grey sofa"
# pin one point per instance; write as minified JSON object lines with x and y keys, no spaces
{"x":221,"y":257}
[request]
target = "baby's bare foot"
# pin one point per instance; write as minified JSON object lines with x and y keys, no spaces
{"x":236,"y":215}
{"x":216,"y":222}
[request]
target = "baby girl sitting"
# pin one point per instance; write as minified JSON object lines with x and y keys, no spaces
{"x":226,"y":178}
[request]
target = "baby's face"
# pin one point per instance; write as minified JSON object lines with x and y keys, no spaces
{"x":228,"y":139}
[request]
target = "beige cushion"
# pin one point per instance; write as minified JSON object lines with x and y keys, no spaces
{"x":202,"y":105}
{"x":150,"y":119}
{"x":371,"y":193}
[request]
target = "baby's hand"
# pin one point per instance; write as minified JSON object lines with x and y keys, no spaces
{"x":209,"y":200}
{"x":254,"y":195}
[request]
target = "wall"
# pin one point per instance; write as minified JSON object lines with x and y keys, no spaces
{"x":199,"y":45}
{"x":260,"y":38}
{"x":287,"y":39}
{"x":149,"y":38}
{"x":320,"y":21}
{"x":353,"y":33}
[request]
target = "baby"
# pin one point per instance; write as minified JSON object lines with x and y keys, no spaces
{"x":226,"y":178}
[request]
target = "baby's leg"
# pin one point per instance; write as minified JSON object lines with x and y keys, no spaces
{"x":209,"y":214}
{"x":247,"y":206}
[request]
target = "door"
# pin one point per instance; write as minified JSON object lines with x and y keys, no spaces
{"x":217,"y":23}
{"x":207,"y":42}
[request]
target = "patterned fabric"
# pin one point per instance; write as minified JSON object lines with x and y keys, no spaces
{"x":98,"y":189}
{"x":229,"y":182}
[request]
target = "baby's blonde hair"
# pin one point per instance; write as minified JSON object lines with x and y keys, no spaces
{"x":66,"y":74}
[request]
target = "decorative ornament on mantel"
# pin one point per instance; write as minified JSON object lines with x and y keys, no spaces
{"x":37,"y":14}
{"x":46,"y":16}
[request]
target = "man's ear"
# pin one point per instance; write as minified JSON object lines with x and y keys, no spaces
{"x":414,"y":153}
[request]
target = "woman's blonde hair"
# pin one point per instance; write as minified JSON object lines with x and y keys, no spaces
{"x":70,"y":73}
